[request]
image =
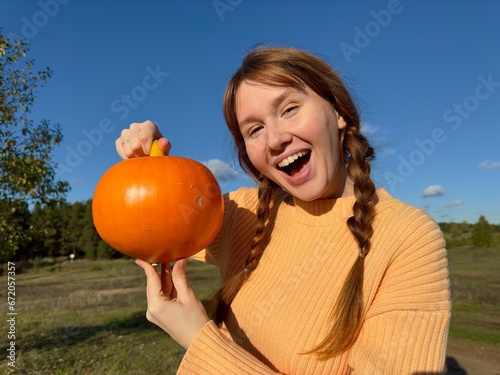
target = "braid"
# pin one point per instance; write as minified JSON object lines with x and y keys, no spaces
{"x":364,"y":189}
{"x":224,"y":297}
{"x":348,"y":312}
{"x":266,"y":189}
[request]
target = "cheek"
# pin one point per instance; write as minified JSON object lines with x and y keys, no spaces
{"x":328,"y":140}
{"x":258,"y":158}
{"x":320,"y":123}
{"x":255,"y":156}
{"x":325,"y":132}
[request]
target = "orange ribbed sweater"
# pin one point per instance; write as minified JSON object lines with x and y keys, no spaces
{"x":284,"y":308}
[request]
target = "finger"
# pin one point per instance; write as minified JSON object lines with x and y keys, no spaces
{"x":179,"y":280}
{"x":147,"y":143}
{"x":164,"y":145}
{"x":147,"y":131}
{"x":153,"y":281}
{"x":133,"y":148}
{"x":125,"y":150}
{"x":127,"y":144}
{"x":137,"y":136}
{"x":150,"y":128}
{"x":125,"y":134}
{"x":124,"y":137}
{"x":119,"y":148}
{"x":142,"y":136}
{"x":166,"y":280}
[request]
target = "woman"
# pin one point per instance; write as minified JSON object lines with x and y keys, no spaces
{"x":322,"y":273}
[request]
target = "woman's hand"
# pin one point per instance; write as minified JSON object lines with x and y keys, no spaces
{"x":176,"y":309}
{"x":136,"y":141}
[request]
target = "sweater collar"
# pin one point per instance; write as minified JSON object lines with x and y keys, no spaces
{"x":324,"y":211}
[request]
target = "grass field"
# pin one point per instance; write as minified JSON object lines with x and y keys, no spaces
{"x":475,"y":285}
{"x":89,"y":317}
{"x":474,"y":338}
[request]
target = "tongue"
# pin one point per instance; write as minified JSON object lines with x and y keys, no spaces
{"x":295,"y":168}
{"x":297,"y":165}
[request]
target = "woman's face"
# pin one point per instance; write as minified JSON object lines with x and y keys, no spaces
{"x":292,"y":137}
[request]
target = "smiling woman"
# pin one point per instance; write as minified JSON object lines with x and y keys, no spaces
{"x":292,"y":137}
{"x":322,"y":273}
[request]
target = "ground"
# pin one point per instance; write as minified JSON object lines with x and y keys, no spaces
{"x":469,"y":358}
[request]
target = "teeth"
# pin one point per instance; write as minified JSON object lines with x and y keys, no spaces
{"x":289,"y":160}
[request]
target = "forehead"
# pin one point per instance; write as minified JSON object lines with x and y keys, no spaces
{"x":252,"y":87}
{"x":252,"y":96}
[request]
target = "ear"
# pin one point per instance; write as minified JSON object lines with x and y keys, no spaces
{"x":340,"y":122}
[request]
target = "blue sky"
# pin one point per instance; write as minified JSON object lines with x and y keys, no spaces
{"x":426,"y":75}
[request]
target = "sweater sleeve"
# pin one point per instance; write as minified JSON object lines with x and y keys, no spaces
{"x":238,"y":219}
{"x":211,"y":253}
{"x":406,"y":326}
{"x":213,"y":353}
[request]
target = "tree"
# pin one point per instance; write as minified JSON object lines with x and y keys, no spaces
{"x":104,"y":251}
{"x":482,"y":233}
{"x":19,"y":218}
{"x":49,"y":223}
{"x":90,"y":239}
{"x":27,"y":172}
{"x":74,"y":223}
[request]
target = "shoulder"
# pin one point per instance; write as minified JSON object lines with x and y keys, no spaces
{"x":405,"y":223}
{"x":394,"y":212}
{"x":246,"y":197}
{"x":408,"y":257}
{"x":240,"y":207}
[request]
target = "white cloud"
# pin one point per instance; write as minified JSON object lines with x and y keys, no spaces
{"x":221,"y":170}
{"x":487,"y":164}
{"x":383,"y":152}
{"x":367,"y":129}
{"x":433,"y":191}
{"x":378,"y":140}
{"x":457,"y":202}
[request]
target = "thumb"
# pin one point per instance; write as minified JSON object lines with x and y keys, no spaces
{"x":180,"y":280}
{"x":164,"y":145}
{"x":154,"y":287}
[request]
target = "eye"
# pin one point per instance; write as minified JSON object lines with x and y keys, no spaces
{"x":253,"y":131}
{"x":290,"y":110}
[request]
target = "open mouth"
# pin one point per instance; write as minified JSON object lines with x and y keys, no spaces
{"x":294,"y":163}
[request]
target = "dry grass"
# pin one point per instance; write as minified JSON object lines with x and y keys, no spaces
{"x":89,"y":317}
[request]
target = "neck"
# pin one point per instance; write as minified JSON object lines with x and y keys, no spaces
{"x":339,"y":190}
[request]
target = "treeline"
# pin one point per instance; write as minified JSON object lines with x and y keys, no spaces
{"x":480,"y":234}
{"x":62,"y":229}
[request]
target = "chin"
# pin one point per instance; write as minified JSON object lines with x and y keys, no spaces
{"x":304,"y":194}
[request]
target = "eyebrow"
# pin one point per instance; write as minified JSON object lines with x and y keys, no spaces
{"x":275,"y":104}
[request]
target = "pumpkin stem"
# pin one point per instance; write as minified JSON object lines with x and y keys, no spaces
{"x":155,"y":149}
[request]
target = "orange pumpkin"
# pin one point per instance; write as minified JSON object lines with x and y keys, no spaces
{"x":158,"y":208}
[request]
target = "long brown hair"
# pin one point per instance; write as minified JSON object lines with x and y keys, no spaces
{"x":283,"y":66}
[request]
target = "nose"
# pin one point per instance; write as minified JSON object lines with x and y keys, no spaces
{"x":277,"y":138}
